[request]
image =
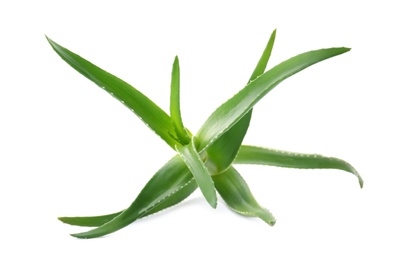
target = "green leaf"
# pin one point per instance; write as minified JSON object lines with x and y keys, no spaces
{"x":169,"y":180}
{"x":228,"y":114}
{"x":170,"y":200}
{"x":223,"y":151}
{"x":175,"y":104}
{"x":153,"y":116}
{"x":236,"y":193}
{"x":266,"y":156}
{"x":264,"y":59}
{"x":192,"y":159}
{"x":90,"y":221}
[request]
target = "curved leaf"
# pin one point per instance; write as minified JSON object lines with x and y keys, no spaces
{"x":228,"y":114}
{"x":169,"y":180}
{"x":223,"y":151}
{"x":172,"y":199}
{"x":266,"y":156}
{"x":192,"y":159}
{"x":236,"y":193}
{"x":153,"y":116}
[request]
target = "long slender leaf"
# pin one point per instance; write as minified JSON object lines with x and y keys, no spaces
{"x":169,"y":180}
{"x":89,"y":221}
{"x":236,"y":193}
{"x":225,"y":116}
{"x":172,"y":199}
{"x":153,"y":116}
{"x":266,"y":156}
{"x":223,"y":151}
{"x":192,"y":159}
{"x":175,"y":104}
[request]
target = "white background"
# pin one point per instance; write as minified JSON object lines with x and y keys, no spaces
{"x":68,"y":148}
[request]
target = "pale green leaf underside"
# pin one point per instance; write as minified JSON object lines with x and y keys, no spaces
{"x":174,"y":178}
{"x":192,"y":159}
{"x":223,"y":151}
{"x":153,"y":116}
{"x":266,"y":156}
{"x":235,"y":108}
{"x":236,"y":193}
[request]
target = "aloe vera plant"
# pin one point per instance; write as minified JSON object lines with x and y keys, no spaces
{"x":205,"y":160}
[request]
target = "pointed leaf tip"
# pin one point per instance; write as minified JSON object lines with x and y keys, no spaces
{"x":152,"y":115}
{"x":237,"y":195}
{"x":170,"y":185}
{"x":175,"y":114}
{"x":266,"y":156}
{"x":223,"y":151}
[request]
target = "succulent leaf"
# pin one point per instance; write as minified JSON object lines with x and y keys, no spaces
{"x":170,"y":179}
{"x":153,"y":116}
{"x":228,"y":114}
{"x":223,"y":151}
{"x":264,"y":59}
{"x":89,"y":221}
{"x":266,"y":156}
{"x":175,"y":104}
{"x":192,"y":159}
{"x":236,"y":193}
{"x":170,"y":199}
